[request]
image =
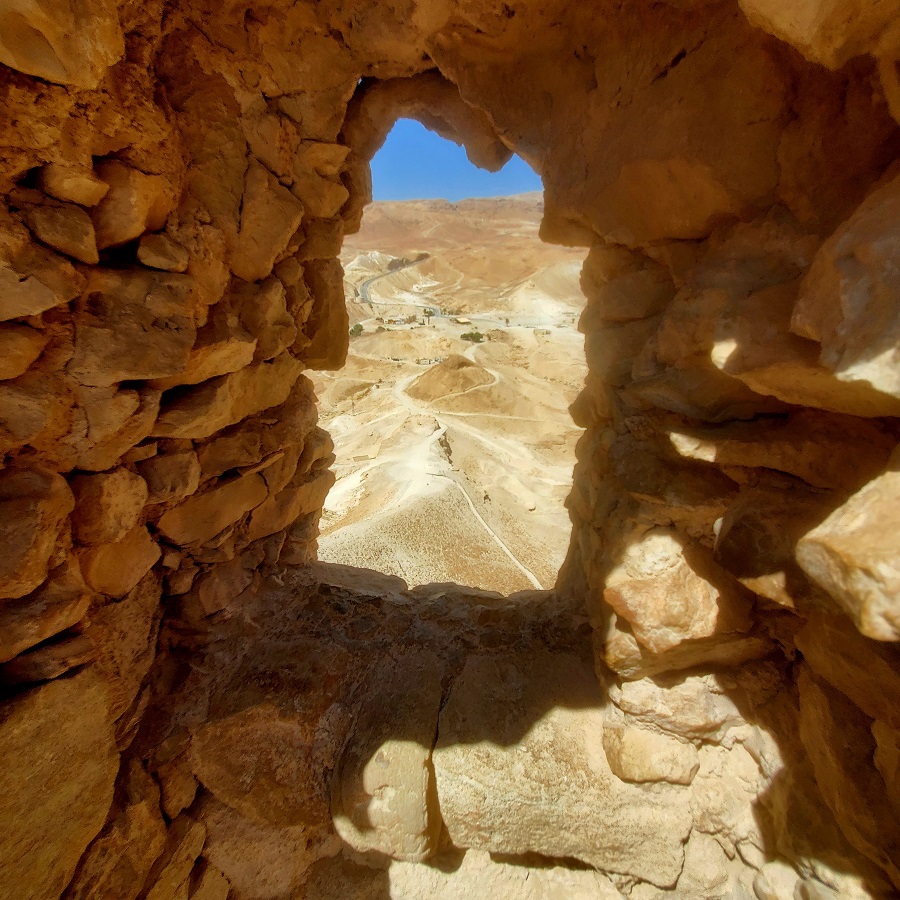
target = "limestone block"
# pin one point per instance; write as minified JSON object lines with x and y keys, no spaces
{"x":20,"y":346}
{"x":610,"y":349}
{"x":270,"y":214}
{"x":383,"y":794}
{"x":221,"y":402}
{"x":670,"y":591}
{"x":853,"y":555}
{"x":839,"y":741}
{"x":66,"y":42}
{"x":134,"y":203}
{"x":49,"y":660}
{"x":171,"y":476}
{"x":264,"y":314}
{"x":825,"y":32}
{"x":25,"y":295}
{"x":776,"y":880}
{"x":184,"y":841}
{"x":725,"y":791}
{"x":327,"y":328}
{"x":692,"y":707}
{"x":125,"y":636}
{"x":211,"y":885}
{"x":706,"y":873}
{"x":866,"y":671}
{"x":57,"y":745}
{"x":36,"y":410}
{"x":629,"y":659}
{"x":56,"y":605}
{"x":108,"y":423}
{"x":258,"y":762}
{"x":223,"y":347}
{"x":72,"y":184}
{"x":107,"y":505}
{"x":65,"y":228}
{"x":159,"y":251}
{"x":118,"y":861}
{"x":848,"y":299}
{"x":825,"y":450}
{"x":177,"y":785}
{"x":133,"y":325}
{"x":201,"y":517}
{"x":304,"y":495}
{"x":753,"y":343}
{"x":317,"y":166}
{"x":258,"y":860}
{"x":243,"y":448}
{"x":322,"y":240}
{"x":640,"y":755}
{"x":622,"y":286}
{"x":492,"y":768}
{"x":114,"y":569}
{"x":221,"y":586}
{"x":757,"y":538}
{"x":34,"y":506}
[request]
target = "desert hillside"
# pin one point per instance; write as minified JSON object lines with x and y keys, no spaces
{"x":454,"y":456}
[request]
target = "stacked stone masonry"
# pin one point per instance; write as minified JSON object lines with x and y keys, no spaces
{"x":708,"y":704}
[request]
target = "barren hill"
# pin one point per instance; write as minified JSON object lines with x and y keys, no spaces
{"x":454,"y":457}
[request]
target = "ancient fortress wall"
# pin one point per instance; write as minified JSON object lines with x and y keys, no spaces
{"x":191,"y":706}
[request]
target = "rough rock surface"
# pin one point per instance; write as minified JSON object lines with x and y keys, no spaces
{"x":175,"y":180}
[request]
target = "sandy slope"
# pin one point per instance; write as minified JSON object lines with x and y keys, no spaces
{"x":454,"y":458}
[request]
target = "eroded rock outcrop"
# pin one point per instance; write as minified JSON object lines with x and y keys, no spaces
{"x":184,"y":715}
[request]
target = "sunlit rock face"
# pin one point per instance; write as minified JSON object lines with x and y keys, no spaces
{"x":707,"y":705}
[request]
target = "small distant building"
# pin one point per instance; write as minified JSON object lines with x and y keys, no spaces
{"x":461,"y":320}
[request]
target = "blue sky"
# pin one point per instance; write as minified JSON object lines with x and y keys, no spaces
{"x":415,"y":164}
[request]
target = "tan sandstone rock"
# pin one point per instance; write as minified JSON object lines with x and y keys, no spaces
{"x":119,"y":859}
{"x":641,"y":755}
{"x":135,"y":203}
{"x":56,"y":735}
{"x":270,"y":214}
{"x":64,"y":43}
{"x":65,"y":228}
{"x":34,"y":506}
{"x":492,"y":770}
{"x":114,"y":569}
{"x":224,"y":401}
{"x":853,"y":556}
{"x":171,"y":476}
{"x":383,"y":794}
{"x":107,"y":505}
{"x":25,"y":295}
{"x":20,"y":346}
{"x":159,"y":251}
{"x":203,"y":516}
{"x":847,"y":298}
{"x":72,"y":184}
{"x":56,"y":605}
{"x":839,"y":741}
{"x":133,"y":325}
{"x":671,"y":591}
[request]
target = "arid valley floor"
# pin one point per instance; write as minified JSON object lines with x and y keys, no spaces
{"x":454,"y":458}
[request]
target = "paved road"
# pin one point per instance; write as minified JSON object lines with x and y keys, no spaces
{"x":365,"y":297}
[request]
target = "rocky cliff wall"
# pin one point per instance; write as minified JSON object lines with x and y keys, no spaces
{"x":177,"y":179}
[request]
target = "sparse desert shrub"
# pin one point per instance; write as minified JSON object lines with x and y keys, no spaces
{"x":379,"y":329}
{"x":356,"y":330}
{"x":476,"y":337}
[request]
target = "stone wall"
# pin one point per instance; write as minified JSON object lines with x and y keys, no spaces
{"x":177,"y":179}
